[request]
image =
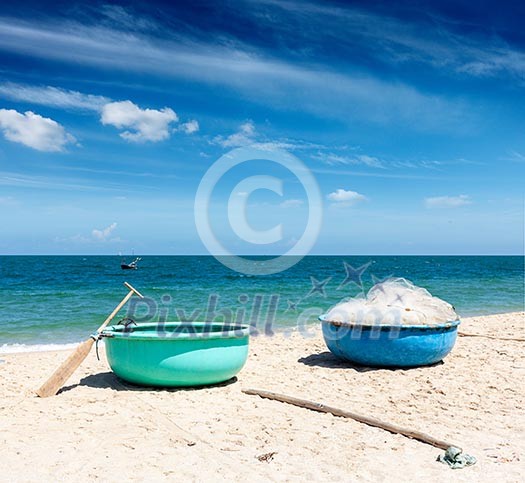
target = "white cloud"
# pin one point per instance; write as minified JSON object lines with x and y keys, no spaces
{"x":147,"y":123}
{"x":341,"y":196}
{"x":105,"y":233}
{"x":190,"y":127}
{"x":293,"y":203}
{"x":243,"y":137}
{"x":447,"y":201}
{"x":52,"y":96}
{"x":33,"y":130}
{"x":141,"y":124}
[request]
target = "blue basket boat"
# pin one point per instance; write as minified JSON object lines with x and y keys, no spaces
{"x":390,"y":345}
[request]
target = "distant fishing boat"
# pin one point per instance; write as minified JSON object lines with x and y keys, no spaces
{"x":130,"y":266}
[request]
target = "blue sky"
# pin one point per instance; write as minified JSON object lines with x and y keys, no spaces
{"x":411,"y":118}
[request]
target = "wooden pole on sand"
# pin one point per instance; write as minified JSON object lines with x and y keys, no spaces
{"x":70,"y":365}
{"x":303,"y":403}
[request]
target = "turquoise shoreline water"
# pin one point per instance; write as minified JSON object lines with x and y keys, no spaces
{"x":62,"y":299}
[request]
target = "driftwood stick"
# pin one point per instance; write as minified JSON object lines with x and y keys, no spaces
{"x":464,"y":334}
{"x":303,"y":403}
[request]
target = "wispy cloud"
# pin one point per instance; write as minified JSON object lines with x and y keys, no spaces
{"x":344,"y":156}
{"x":447,"y":201}
{"x":245,"y":135}
{"x":392,"y":40}
{"x":292,"y":144}
{"x":34,"y":131}
{"x":140,"y":124}
{"x":376,"y":174}
{"x":53,"y":183}
{"x":336,"y":157}
{"x":333,"y":159}
{"x":256,"y":76}
{"x":52,"y":96}
{"x":7,"y":201}
{"x":120,"y":173}
{"x":116,"y":15}
{"x":104,"y":233}
{"x":409,"y":166}
{"x":515,"y":156}
{"x":97,"y":236}
{"x":291,"y":203}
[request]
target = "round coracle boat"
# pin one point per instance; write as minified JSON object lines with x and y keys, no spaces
{"x":176,"y":353}
{"x":395,"y":345}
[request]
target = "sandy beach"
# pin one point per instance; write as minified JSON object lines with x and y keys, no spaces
{"x":99,"y":428}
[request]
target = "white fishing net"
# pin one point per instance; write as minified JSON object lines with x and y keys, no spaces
{"x":392,"y":302}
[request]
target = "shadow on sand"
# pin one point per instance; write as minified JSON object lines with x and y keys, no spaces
{"x":327,"y":359}
{"x":108,"y":380}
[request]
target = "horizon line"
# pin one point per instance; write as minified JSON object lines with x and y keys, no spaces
{"x":266,"y":255}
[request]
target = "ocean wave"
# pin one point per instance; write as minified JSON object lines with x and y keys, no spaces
{"x":18,"y":348}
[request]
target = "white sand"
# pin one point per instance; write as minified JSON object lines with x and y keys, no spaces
{"x":99,"y":428}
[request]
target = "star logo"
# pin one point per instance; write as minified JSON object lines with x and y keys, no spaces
{"x":318,"y":287}
{"x":399,"y":298}
{"x":292,"y":305}
{"x":377,"y":280}
{"x":354,"y":275}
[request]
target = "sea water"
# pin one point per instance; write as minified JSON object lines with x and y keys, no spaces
{"x":49,"y":301}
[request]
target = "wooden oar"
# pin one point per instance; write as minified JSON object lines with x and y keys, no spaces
{"x":70,"y":365}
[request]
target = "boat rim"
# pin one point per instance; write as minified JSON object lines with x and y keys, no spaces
{"x":444,"y":325}
{"x":232,"y":331}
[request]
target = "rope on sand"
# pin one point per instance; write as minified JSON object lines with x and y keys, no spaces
{"x":518,"y":339}
{"x":454,"y":455}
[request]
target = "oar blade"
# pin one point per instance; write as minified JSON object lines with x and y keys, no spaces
{"x":64,"y":372}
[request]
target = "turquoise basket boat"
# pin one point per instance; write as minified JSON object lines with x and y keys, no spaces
{"x":390,"y":345}
{"x":175,"y":353}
